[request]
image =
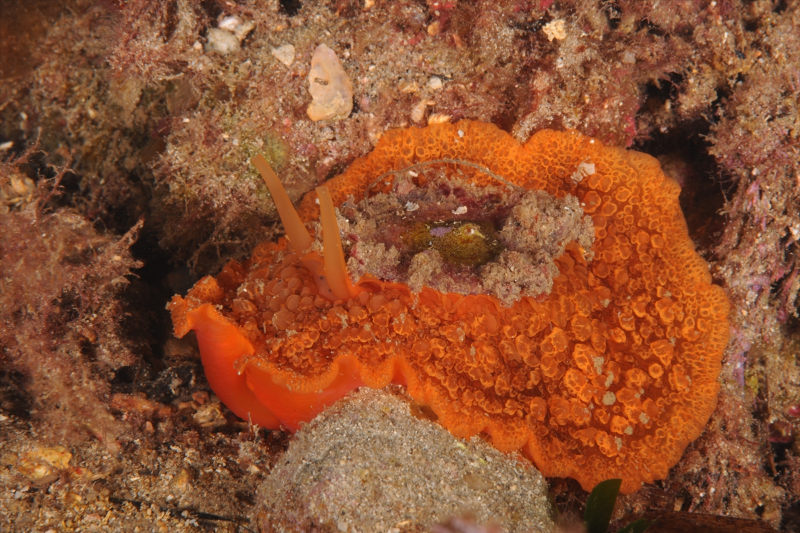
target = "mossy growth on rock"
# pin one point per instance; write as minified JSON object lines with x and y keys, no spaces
{"x":430,"y":229}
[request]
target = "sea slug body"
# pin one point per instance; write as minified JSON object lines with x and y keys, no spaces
{"x":605,"y":367}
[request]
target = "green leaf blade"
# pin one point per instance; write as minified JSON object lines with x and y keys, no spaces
{"x":600,"y":506}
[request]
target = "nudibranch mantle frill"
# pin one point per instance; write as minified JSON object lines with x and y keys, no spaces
{"x":610,"y":375}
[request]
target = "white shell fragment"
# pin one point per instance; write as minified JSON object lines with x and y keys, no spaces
{"x":330,"y":88}
{"x":230,"y":23}
{"x":242,"y":31}
{"x":221,"y":41}
{"x":284,"y":54}
{"x":584,"y":170}
{"x":628,"y":57}
{"x":555,"y":29}
{"x":229,"y":34}
{"x":435,"y":83}
{"x":418,"y":111}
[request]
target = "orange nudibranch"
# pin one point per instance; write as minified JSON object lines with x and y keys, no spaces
{"x":609,"y":373}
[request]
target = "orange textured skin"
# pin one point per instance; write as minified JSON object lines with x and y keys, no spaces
{"x":610,"y":375}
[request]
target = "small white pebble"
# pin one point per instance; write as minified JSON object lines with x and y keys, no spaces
{"x":438,"y":118}
{"x":418,"y":111}
{"x":229,"y":23}
{"x":411,"y":206}
{"x":221,"y":41}
{"x":435,"y":83}
{"x":460,"y":133}
{"x":628,"y":57}
{"x":584,"y":169}
{"x":6,"y":146}
{"x":242,"y":31}
{"x":460,"y":210}
{"x":197,"y":45}
{"x":185,"y":120}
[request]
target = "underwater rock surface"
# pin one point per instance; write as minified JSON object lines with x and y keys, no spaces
{"x":368,"y":464}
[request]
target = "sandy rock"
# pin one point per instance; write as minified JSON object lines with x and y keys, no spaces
{"x":370,"y":463}
{"x":330,"y":88}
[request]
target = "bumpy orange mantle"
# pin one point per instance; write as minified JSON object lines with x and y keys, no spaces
{"x":610,"y":375}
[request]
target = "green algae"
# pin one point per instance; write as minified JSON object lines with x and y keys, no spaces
{"x":459,"y":242}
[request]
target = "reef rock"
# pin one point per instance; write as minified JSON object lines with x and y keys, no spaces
{"x":367,"y":464}
{"x":330,"y":88}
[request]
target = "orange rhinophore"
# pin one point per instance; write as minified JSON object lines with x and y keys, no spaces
{"x":608,"y":372}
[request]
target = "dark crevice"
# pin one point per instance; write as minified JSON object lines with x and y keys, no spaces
{"x":663,"y":90}
{"x":684,"y":155}
{"x":652,"y":29}
{"x":780,"y":6}
{"x":750,"y":25}
{"x":291,"y":7}
{"x":212,"y":9}
{"x":14,"y":396}
{"x":790,"y":519}
{"x":613,"y":14}
{"x":170,"y":15}
{"x":147,"y":324}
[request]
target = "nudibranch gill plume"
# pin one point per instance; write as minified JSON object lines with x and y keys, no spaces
{"x":545,"y":294}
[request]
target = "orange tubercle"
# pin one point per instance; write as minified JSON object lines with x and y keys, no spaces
{"x":609,"y":375}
